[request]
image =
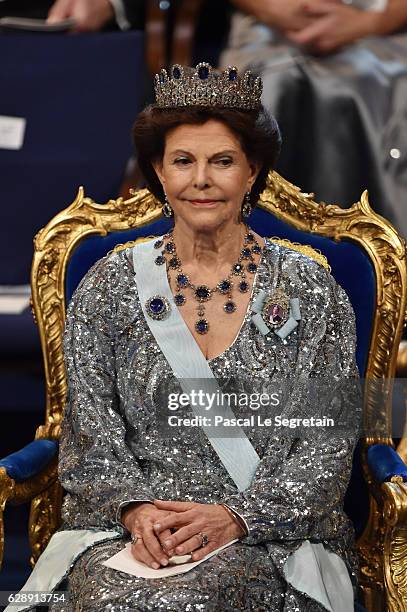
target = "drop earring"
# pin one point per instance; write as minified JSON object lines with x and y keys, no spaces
{"x":247,"y":206}
{"x":167,"y":210}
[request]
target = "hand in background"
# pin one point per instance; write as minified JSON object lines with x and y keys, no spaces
{"x":333,"y":26}
{"x":190,"y":519}
{"x":281,"y":14}
{"x":89,"y":15}
{"x":138,"y":520}
{"x":324,"y":26}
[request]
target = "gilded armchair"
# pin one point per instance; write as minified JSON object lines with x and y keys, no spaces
{"x":366,"y":256}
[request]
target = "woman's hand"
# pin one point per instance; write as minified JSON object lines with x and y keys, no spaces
{"x":190,"y":520}
{"x":324,"y":26}
{"x":333,"y":26}
{"x":281,"y":14}
{"x":89,"y":15}
{"x":139,"y":519}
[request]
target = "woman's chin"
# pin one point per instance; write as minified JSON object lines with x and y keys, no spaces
{"x":207,"y":218}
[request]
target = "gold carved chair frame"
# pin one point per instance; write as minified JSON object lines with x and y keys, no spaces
{"x":383,"y":545}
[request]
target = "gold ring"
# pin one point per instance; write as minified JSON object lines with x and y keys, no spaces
{"x":204,"y":539}
{"x":135,"y":538}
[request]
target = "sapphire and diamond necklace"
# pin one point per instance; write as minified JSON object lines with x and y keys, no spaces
{"x":202,"y":293}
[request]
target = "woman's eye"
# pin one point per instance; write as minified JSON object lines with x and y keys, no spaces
{"x":225,"y":161}
{"x":182,"y":161}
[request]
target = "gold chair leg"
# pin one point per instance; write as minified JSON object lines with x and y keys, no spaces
{"x":6,"y":492}
{"x":371,"y":561}
{"x":44,"y":519}
{"x":395,"y":544}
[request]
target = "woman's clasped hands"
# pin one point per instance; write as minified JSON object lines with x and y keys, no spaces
{"x":321,"y":26}
{"x":163,"y":529}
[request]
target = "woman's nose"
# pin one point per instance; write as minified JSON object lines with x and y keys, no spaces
{"x":201,"y":176}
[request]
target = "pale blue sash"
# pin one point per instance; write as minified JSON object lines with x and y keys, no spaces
{"x":54,"y":563}
{"x":189,"y":365}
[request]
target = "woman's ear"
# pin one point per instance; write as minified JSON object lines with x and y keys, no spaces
{"x":254,"y":173}
{"x":158,"y":167}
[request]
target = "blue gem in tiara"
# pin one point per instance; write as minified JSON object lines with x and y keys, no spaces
{"x":232,"y":74}
{"x":203,"y":72}
{"x":177,"y":71}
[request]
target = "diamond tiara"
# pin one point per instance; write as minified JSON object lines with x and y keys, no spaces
{"x":204,"y":86}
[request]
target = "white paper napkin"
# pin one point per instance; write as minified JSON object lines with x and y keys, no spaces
{"x":125,"y":562}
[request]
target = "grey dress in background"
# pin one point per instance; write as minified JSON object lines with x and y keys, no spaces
{"x":112,"y":451}
{"x":343,"y":117}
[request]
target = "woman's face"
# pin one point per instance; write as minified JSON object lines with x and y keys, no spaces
{"x":205,"y":175}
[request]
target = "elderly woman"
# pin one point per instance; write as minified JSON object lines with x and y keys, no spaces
{"x":209,"y":301}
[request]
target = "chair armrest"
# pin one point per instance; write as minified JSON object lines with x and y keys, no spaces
{"x":25,"y":475}
{"x":30,"y":460}
{"x":385,"y":463}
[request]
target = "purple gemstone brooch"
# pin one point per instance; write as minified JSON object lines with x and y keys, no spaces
{"x":158,"y":307}
{"x":276,"y":312}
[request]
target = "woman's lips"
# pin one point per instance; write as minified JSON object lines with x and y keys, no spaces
{"x":204,"y":202}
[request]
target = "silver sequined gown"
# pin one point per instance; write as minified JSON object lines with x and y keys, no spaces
{"x":111,"y":450}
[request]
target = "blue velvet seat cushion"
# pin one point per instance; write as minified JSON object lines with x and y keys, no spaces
{"x":30,"y":460}
{"x":384,"y":463}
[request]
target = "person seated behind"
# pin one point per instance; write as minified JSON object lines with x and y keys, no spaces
{"x":325,"y":26}
{"x":88,"y":15}
{"x":335,"y":76}
{"x":181,"y":308}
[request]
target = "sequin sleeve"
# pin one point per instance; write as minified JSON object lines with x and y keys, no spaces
{"x":300,"y":499}
{"x":96,"y":466}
